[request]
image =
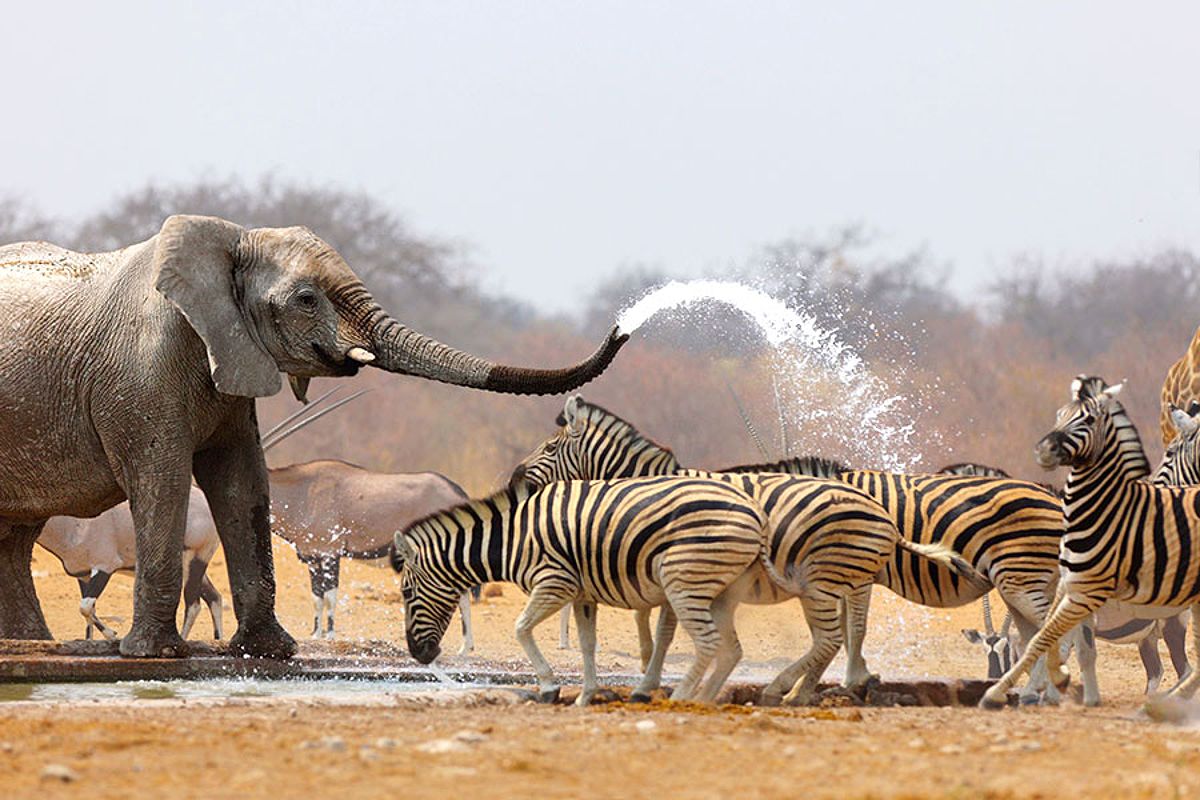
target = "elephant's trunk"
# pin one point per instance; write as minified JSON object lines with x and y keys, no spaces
{"x":398,"y":348}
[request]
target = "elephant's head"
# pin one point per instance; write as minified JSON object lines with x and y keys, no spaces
{"x":271,"y":300}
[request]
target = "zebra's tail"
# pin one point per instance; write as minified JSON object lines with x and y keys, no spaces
{"x":948,"y":558}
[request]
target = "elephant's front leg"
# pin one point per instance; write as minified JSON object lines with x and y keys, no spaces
{"x":159,"y":502}
{"x":233,"y":477}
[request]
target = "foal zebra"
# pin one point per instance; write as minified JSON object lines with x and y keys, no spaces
{"x":693,"y":545}
{"x":1008,"y":530}
{"x":1126,"y":538}
{"x":828,"y":543}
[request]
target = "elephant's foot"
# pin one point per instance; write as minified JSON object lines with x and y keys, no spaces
{"x":146,"y":642}
{"x":264,"y":640}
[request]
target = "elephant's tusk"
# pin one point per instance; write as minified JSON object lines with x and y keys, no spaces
{"x":360,"y":355}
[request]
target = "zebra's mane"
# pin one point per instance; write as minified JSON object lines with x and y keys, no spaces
{"x":815,"y":466}
{"x":618,"y":427}
{"x":1129,"y":441}
{"x":470,"y":509}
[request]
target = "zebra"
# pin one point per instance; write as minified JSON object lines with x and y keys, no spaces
{"x":1180,"y":465}
{"x":1115,"y":622}
{"x":1126,"y":537}
{"x":691,"y":544}
{"x":1007,"y":530}
{"x":834,"y":539}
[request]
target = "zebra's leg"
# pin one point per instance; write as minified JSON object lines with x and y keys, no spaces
{"x":730,"y":650}
{"x":90,"y":591}
{"x":821,"y":612}
{"x":464,"y":614}
{"x":652,"y":678}
{"x":1151,"y":661}
{"x":1175,"y":635}
{"x":1068,"y":613}
{"x":564,"y":629}
{"x":212,"y":598}
{"x":1085,"y":653}
{"x":545,"y":599}
{"x":1187,"y":686}
{"x":855,"y":607}
{"x":1028,"y":611}
{"x":695,"y":615}
{"x":645,"y":638}
{"x":585,"y":623}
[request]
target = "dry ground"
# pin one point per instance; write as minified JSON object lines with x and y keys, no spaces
{"x":403,"y":746}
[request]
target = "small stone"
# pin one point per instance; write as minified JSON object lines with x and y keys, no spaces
{"x":470,"y":737}
{"x":646,"y":726}
{"x":59,"y":772}
{"x":1030,"y":747}
{"x":952,"y":749}
{"x":385,"y":743}
{"x":438,"y":746}
{"x":916,"y":743}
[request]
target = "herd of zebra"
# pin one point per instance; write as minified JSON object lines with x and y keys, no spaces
{"x":601,"y":515}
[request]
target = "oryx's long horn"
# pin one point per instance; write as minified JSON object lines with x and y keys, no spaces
{"x":269,"y":443}
{"x":988,"y":627}
{"x":758,"y":442}
{"x":301,"y":412}
{"x":783,"y":437}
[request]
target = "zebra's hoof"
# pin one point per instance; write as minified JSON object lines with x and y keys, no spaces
{"x":549,"y":696}
{"x":639,"y":697}
{"x":991,"y":704}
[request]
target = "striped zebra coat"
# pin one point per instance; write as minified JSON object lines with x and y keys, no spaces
{"x":1007,"y":530}
{"x":828,"y":543}
{"x":693,"y":545}
{"x":1126,"y":538}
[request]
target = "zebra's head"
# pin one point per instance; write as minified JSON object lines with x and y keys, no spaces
{"x":559,"y":457}
{"x":592,"y":443}
{"x":1181,"y":462}
{"x":1081,"y":425}
{"x":429,"y":602}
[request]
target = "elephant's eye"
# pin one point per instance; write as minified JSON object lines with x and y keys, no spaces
{"x":305,"y":300}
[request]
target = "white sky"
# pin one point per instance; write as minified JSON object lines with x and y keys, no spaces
{"x":563,"y":139}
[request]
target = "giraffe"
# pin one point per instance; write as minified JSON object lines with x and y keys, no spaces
{"x":1180,"y":388}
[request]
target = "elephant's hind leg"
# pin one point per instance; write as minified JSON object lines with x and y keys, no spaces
{"x":20,"y":613}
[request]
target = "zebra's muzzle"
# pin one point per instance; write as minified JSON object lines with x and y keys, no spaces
{"x":423,"y":650}
{"x":1050,"y":452}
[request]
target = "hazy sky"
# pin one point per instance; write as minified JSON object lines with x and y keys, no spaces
{"x":564,"y":139}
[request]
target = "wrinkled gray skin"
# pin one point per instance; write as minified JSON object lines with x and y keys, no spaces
{"x":329,"y":510}
{"x":125,"y":374}
{"x":93,"y":550}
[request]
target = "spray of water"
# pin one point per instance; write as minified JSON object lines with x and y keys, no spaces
{"x":824,"y":385}
{"x":829,"y":396}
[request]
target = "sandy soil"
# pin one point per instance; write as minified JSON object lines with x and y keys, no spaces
{"x":421,"y":747}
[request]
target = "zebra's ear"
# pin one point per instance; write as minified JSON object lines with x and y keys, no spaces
{"x":571,"y":412}
{"x":402,"y":551}
{"x":1113,"y":391}
{"x":1183,"y":422}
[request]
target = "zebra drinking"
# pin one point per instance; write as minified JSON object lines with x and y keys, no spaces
{"x":1126,"y":538}
{"x":691,"y":544}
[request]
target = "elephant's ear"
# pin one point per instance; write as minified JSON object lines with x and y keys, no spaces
{"x":194,"y":261}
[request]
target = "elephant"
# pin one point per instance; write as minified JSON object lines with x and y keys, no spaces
{"x":329,"y":510}
{"x":125,"y":374}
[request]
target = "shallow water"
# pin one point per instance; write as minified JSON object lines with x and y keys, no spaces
{"x":216,"y":689}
